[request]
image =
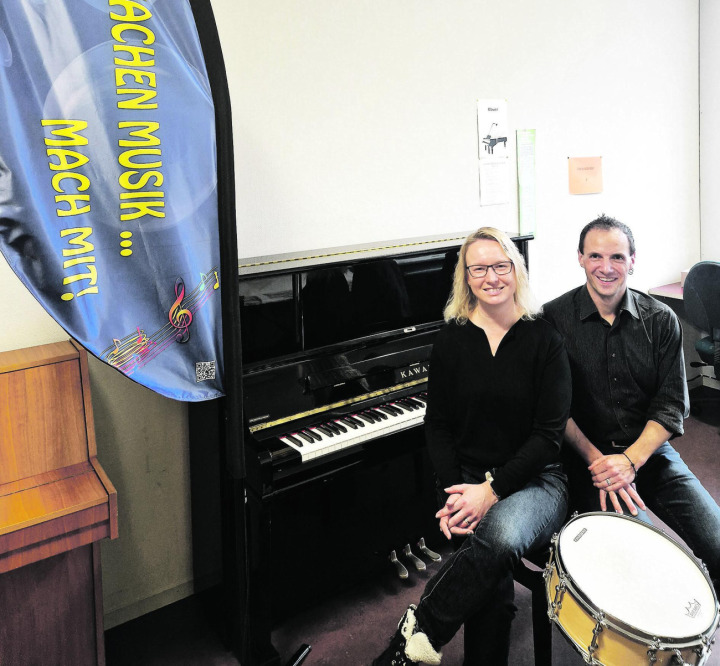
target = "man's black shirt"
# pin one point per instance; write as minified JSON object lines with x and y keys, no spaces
{"x":625,"y":374}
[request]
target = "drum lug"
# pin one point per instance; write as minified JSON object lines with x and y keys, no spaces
{"x":592,"y":648}
{"x":677,"y":658}
{"x":547,"y":574}
{"x":547,"y":571}
{"x":556,"y":604}
{"x":652,"y":652}
{"x":707,"y":644}
{"x":701,"y":649}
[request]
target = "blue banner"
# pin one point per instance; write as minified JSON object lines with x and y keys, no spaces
{"x":108,"y":200}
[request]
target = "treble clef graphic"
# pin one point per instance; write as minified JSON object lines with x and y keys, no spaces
{"x":180,"y":318}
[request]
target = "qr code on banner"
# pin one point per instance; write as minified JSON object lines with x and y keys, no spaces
{"x":204,"y":370}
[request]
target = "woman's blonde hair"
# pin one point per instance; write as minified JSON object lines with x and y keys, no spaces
{"x":462,"y":301}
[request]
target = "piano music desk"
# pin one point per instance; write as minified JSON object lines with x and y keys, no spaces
{"x":56,"y":503}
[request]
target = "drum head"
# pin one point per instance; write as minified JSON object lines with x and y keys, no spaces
{"x":636,"y":574}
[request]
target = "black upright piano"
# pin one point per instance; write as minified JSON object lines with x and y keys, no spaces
{"x":335,"y":356}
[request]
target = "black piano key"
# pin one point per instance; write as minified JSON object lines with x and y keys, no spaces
{"x":415,"y":402}
{"x":332,"y":427}
{"x":313,"y":434}
{"x":340,"y":426}
{"x":365,"y":417}
{"x":395,"y":411}
{"x":407,"y":404}
{"x":356,"y":420}
{"x":324,"y":430}
{"x":375,"y":418}
{"x":305,"y":436}
{"x":420,"y":398}
{"x":346,"y":419}
{"x":388,"y":410}
{"x":294,"y":440}
{"x":380,"y":413}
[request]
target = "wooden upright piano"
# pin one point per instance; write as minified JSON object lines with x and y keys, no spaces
{"x":56,"y":504}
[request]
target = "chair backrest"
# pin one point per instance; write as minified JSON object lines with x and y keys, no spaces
{"x":701,"y":296}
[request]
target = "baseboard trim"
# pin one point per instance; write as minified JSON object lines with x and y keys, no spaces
{"x":141,"y":607}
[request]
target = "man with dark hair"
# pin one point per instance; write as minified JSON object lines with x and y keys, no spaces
{"x":629,"y":397}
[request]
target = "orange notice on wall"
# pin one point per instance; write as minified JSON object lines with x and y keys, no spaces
{"x":585,"y":175}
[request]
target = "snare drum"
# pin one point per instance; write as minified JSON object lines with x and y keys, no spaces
{"x":623,"y":592}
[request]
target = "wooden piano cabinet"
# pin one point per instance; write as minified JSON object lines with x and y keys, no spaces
{"x":56,"y":503}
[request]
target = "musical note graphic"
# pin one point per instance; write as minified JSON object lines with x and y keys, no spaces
{"x":129,"y":351}
{"x":204,"y":281}
{"x":180,"y":318}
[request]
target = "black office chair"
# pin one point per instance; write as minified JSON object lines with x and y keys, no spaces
{"x":701,"y":296}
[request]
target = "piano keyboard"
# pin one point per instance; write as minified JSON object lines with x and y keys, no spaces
{"x":355,"y":428}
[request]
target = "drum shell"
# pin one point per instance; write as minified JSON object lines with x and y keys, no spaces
{"x":614,"y":648}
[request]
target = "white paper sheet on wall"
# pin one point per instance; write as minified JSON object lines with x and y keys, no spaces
{"x":525,"y":149}
{"x":493,"y":157}
{"x":494,"y":181}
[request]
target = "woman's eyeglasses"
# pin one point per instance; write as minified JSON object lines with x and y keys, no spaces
{"x":479,"y":271}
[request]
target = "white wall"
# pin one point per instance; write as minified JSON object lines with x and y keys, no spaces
{"x":710,"y":129}
{"x":355,"y":122}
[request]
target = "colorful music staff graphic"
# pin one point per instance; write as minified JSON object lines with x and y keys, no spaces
{"x":137,"y":348}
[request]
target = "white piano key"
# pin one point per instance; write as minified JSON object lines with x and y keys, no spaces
{"x":352,"y":437}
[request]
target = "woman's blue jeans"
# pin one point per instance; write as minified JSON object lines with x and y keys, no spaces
{"x":471,"y":579}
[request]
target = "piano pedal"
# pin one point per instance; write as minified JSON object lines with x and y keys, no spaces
{"x":435,"y":557}
{"x":402,"y":572}
{"x":417,"y":562}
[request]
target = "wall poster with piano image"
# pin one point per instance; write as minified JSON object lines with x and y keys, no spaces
{"x":108,"y":183}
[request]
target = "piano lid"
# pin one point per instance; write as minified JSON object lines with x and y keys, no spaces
{"x":296,"y":305}
{"x":294,"y":261}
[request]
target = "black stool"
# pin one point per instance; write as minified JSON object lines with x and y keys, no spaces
{"x":532,"y":579}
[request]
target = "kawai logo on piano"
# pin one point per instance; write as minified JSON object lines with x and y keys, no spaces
{"x":414,"y":371}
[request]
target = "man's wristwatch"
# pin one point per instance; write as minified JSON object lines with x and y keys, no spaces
{"x":489,"y":479}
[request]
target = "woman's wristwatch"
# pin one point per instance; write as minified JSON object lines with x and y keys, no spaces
{"x":489,"y":479}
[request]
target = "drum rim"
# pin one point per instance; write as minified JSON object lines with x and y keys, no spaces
{"x":616,"y":623}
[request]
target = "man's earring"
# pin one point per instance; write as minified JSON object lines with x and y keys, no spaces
{"x":631,"y":271}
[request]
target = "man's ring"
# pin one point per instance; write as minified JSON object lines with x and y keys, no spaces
{"x":608,"y":482}
{"x":467,"y":521}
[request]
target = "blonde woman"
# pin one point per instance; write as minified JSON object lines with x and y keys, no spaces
{"x":498,"y":401}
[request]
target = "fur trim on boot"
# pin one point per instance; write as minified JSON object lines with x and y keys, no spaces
{"x":420,"y":651}
{"x":409,"y":645}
